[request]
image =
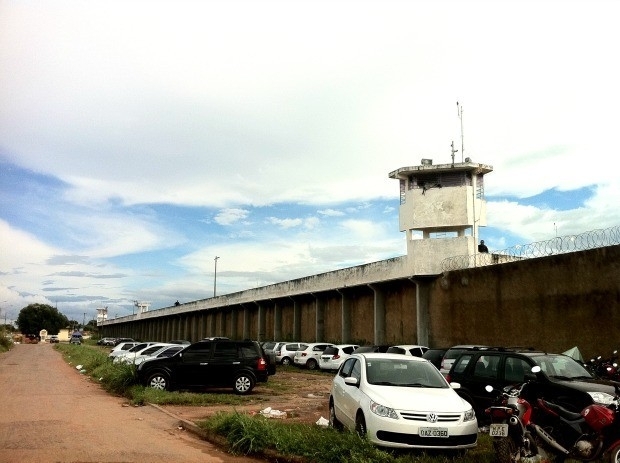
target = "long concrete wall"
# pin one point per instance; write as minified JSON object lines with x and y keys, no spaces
{"x":552,"y":303}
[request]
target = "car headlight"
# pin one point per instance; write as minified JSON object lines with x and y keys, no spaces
{"x":382,"y":410}
{"x":469,"y":415}
{"x":601,"y":398}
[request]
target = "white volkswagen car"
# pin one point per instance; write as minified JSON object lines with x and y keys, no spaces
{"x":400,"y":401}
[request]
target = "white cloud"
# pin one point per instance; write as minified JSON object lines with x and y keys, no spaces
{"x":331,"y":212}
{"x":139,"y":105}
{"x":285,"y":223}
{"x":231,"y":216}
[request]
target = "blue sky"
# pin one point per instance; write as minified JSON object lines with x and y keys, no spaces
{"x":139,"y":140}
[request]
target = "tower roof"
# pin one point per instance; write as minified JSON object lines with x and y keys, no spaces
{"x":427,"y":166}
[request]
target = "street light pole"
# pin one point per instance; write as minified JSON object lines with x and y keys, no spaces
{"x":215,"y":277}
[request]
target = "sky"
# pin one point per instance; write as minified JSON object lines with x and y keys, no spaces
{"x":140,"y":140}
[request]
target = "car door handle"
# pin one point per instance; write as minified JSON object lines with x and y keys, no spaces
{"x":236,"y":363}
{"x":204,"y":363}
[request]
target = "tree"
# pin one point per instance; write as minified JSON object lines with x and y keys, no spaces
{"x":36,"y":317}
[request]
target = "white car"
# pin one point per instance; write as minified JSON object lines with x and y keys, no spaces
{"x":332,"y":357}
{"x":134,"y":352}
{"x":128,"y":348}
{"x":310,"y":356}
{"x":121,"y":348}
{"x":402,"y":402}
{"x":285,"y":353}
{"x":153,"y":352}
{"x":408,"y":349}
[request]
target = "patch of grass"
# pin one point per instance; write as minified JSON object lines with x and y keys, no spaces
{"x":141,"y":395}
{"x":5,"y":342}
{"x":255,"y":435}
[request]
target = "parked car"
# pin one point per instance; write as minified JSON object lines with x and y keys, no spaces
{"x":286,"y":352}
{"x":562,"y":380}
{"x":310,"y":356}
{"x":180,"y":341}
{"x":125,"y":347}
{"x":400,"y":401}
{"x":407,"y":349}
{"x":30,"y":339}
{"x":368,"y":349}
{"x":270,"y":358}
{"x":435,"y":355}
{"x":53,"y":339}
{"x":158,"y":352}
{"x":122,"y":346}
{"x":131,"y":354}
{"x":117,"y":341}
{"x":271,"y":345}
{"x":452,"y":353}
{"x":332,"y":357}
{"x":106,"y":342}
{"x":219,"y":363}
{"x":75,"y":339}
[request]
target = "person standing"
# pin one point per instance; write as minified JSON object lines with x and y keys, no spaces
{"x":482,"y":247}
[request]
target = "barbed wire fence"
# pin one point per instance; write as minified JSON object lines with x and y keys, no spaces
{"x":559,"y":245}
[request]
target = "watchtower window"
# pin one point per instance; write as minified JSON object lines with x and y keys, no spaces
{"x":439,"y":180}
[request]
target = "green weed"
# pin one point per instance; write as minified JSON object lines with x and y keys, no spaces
{"x":255,"y":435}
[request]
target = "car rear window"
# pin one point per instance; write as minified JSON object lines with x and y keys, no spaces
{"x":249,"y":351}
{"x":460,"y":365}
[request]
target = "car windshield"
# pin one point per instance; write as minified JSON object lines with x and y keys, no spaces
{"x":391,"y":372}
{"x":561,"y":366}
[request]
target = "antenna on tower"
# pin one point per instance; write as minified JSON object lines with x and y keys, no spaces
{"x":459,"y":110}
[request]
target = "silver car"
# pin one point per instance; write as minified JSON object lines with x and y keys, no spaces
{"x":286,"y":352}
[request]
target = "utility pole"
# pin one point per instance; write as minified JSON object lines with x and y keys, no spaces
{"x":215,"y":277}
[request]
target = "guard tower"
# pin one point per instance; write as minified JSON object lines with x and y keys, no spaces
{"x":441,"y":208}
{"x":102,"y":315}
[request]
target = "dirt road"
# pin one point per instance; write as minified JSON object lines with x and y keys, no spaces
{"x":49,"y":413}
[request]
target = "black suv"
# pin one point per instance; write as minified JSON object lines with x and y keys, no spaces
{"x":562,"y":380}
{"x":218,"y":363}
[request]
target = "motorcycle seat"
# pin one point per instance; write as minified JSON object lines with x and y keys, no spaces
{"x":561,"y":411}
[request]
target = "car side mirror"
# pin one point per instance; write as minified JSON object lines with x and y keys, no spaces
{"x":455,"y":385}
{"x":351,"y":381}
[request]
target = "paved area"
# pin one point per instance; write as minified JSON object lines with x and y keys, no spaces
{"x":51,"y":413}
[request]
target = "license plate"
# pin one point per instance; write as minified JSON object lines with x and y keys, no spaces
{"x":498,"y":430}
{"x":433,"y":432}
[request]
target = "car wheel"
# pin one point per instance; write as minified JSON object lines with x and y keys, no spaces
{"x":333,"y":421}
{"x":311,"y":364}
{"x":285,"y":361}
{"x":244,"y":383}
{"x":360,"y":424}
{"x":159,"y":381}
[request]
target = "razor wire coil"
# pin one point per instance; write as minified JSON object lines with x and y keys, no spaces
{"x":559,"y":245}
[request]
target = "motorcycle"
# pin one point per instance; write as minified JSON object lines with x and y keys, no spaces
{"x":510,"y":419}
{"x":585,"y":436}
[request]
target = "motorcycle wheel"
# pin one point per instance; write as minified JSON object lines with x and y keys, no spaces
{"x":506,"y":450}
{"x":614,"y":456}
